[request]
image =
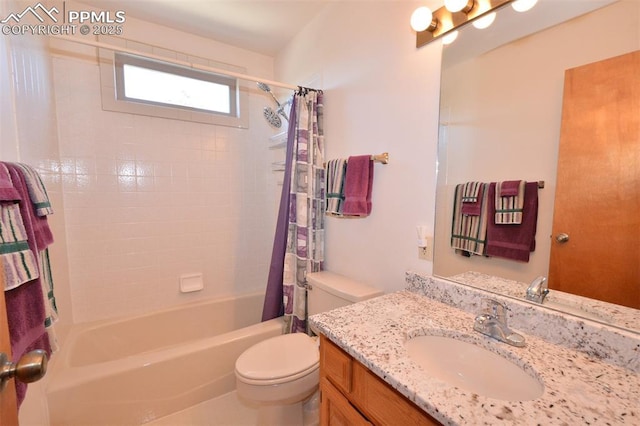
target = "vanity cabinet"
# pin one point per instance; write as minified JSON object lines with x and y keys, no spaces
{"x":352,"y":395}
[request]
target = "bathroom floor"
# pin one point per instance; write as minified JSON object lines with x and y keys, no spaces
{"x":226,"y":410}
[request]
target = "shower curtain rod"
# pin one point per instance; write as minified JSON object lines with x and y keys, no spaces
{"x":176,"y":61}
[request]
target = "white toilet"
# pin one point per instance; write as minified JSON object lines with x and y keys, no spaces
{"x":279,"y":374}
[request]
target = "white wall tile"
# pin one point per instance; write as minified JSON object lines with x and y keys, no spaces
{"x":148,"y":199}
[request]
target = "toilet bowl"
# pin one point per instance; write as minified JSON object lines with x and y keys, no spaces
{"x":279,"y":374}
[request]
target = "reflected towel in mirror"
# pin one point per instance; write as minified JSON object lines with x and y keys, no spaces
{"x":508,"y":207}
{"x":512,"y":241}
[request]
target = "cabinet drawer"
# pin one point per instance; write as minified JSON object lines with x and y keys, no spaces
{"x":336,"y":409}
{"x":382,"y":404}
{"x":335,"y":365}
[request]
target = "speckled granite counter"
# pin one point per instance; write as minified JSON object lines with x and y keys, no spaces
{"x":616,"y":315}
{"x":579,"y":388}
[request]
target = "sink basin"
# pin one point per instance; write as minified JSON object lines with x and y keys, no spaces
{"x":473,"y":368}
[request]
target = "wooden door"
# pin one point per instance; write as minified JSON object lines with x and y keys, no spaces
{"x":8,"y":402}
{"x":597,"y":200}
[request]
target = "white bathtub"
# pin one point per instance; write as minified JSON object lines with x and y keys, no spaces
{"x":134,"y":370}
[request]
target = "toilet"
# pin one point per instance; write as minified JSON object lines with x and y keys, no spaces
{"x":280,"y":374}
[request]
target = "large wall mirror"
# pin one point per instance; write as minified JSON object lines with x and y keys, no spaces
{"x":500,"y":114}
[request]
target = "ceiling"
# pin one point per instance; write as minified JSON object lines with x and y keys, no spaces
{"x":263,"y":26}
{"x":266,"y":26}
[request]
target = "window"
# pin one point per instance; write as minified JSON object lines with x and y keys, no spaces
{"x":136,"y":84}
{"x":164,"y":84}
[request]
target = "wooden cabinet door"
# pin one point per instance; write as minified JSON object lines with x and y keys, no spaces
{"x":352,"y":395}
{"x":335,"y":365}
{"x":8,"y":401}
{"x":335,"y":409}
{"x":597,"y":200}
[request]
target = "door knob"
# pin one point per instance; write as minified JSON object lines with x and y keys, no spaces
{"x":562,"y":237}
{"x":30,"y":367}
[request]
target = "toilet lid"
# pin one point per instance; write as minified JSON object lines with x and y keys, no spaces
{"x":279,"y":357}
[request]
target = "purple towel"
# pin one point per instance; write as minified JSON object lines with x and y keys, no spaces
{"x":25,"y":304}
{"x":514,"y":242}
{"x":473,"y":208}
{"x":509,"y":188}
{"x":7,"y":191}
{"x":358,"y":183}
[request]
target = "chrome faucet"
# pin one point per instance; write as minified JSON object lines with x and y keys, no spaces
{"x":493,"y":323}
{"x":537,"y":290}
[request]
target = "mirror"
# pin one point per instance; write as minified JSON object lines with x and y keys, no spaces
{"x":500,"y":115}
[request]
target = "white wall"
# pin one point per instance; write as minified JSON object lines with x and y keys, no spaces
{"x":504,"y":110}
{"x":381,"y":94}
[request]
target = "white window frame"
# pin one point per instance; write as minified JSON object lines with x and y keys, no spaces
{"x":114,"y":101}
{"x":122,"y":59}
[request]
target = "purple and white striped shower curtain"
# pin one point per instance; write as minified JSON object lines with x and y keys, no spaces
{"x":299,"y":242}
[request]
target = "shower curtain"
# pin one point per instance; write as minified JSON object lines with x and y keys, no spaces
{"x":298,"y":246}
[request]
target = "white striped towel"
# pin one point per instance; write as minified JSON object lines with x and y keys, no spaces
{"x":470,"y":192}
{"x":469,"y":232}
{"x":335,"y":173}
{"x":37,"y":191}
{"x":50,"y":307}
{"x":509,"y":209}
{"x":20,"y":264}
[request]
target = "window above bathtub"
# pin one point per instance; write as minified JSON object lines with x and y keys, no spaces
{"x":136,"y":84}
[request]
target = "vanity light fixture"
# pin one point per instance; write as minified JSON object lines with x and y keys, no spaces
{"x":455,"y":14}
{"x":422,"y":20}
{"x":523,"y":5}
{"x":485,"y":21}
{"x":459,"y":5}
{"x":450,"y":37}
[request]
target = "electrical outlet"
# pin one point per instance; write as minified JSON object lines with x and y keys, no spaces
{"x":426,"y":253}
{"x":422,"y":253}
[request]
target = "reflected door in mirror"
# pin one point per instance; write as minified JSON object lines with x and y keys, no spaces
{"x":597,"y":202}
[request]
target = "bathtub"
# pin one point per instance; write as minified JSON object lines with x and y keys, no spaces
{"x":133,"y":370}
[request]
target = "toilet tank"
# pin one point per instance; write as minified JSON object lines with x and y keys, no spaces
{"x":330,"y":291}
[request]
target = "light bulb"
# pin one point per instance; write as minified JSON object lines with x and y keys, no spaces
{"x":421,"y":19}
{"x":523,"y":5}
{"x":450,"y":37}
{"x":485,"y":21}
{"x":458,"y":5}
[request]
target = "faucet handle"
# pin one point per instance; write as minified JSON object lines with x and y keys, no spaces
{"x":496,"y":309}
{"x":493,"y":323}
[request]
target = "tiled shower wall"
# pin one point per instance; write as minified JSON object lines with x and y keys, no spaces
{"x":148,"y":199}
{"x":28,"y":133}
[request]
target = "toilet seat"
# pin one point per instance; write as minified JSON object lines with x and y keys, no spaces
{"x":279,"y":359}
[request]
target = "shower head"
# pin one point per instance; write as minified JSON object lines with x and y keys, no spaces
{"x":272,"y":117}
{"x":270,"y":114}
{"x":265,"y":88}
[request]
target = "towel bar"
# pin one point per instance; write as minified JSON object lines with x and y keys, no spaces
{"x":380,"y":158}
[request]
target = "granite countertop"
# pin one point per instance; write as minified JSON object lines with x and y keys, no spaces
{"x":579,"y":388}
{"x":616,"y":315}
